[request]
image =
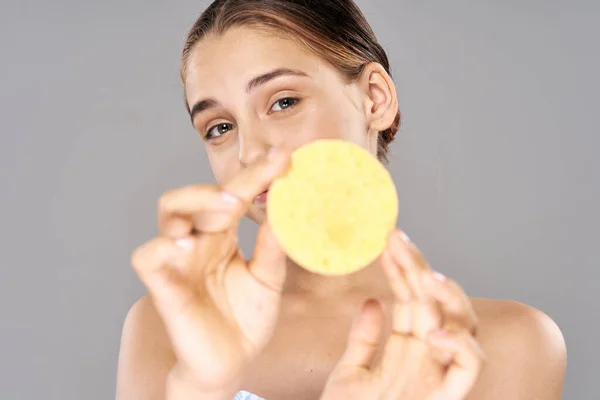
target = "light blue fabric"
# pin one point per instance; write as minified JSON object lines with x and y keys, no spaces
{"x":247,"y":396}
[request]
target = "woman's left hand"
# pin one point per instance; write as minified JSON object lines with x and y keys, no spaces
{"x":431,"y":352}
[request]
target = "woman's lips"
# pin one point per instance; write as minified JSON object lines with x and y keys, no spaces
{"x":261,"y":198}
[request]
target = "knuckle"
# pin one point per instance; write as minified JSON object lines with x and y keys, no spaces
{"x":166,"y":199}
{"x":137,"y":256}
{"x":150,"y":252}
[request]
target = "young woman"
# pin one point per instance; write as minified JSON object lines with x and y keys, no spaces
{"x":261,"y":78}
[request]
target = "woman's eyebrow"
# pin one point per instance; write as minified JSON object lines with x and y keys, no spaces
{"x":269,"y":76}
{"x":201,"y":106}
{"x":206,"y":104}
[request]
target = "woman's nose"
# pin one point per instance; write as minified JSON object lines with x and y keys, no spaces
{"x":252,"y":146}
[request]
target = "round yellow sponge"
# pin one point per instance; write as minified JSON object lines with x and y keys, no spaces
{"x":334,"y":208}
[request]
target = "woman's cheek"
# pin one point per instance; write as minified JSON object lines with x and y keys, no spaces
{"x":224,"y":166}
{"x":310,"y":127}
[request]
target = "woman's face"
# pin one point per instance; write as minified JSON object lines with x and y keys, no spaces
{"x":250,"y":91}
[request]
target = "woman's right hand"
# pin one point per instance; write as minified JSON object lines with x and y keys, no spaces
{"x":219,"y":310}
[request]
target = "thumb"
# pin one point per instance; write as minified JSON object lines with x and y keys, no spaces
{"x":364,"y":338}
{"x":268,"y":263}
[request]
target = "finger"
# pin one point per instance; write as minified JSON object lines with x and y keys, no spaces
{"x":402,"y":323}
{"x":426,"y":318}
{"x":207,"y":221}
{"x":404,"y":253}
{"x":457,"y":310}
{"x":162,"y":256}
{"x":268,"y":263}
{"x":174,"y":226}
{"x":364,"y":338}
{"x":205,"y":207}
{"x":466,"y":365}
{"x":158,"y":264}
{"x":213,"y":253}
{"x":394,"y":356}
{"x":214,"y":209}
{"x":394,"y":352}
{"x":440,"y":355}
{"x":424,"y":313}
{"x":179,"y":304}
{"x":396,"y":278}
{"x":257,"y":178}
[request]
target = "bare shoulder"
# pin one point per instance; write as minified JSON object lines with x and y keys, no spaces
{"x":525,"y":351}
{"x":145,"y":356}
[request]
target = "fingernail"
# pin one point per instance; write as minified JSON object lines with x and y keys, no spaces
{"x":229,"y":198}
{"x":186,"y":244}
{"x":404,"y":237}
{"x":273,"y":151}
{"x":438,"y":276}
{"x":439,"y":334}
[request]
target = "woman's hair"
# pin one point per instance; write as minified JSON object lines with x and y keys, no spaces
{"x":335,"y":30}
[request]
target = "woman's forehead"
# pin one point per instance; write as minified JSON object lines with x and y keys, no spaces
{"x":234,"y":58}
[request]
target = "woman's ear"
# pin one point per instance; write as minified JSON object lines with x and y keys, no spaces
{"x":381,"y":101}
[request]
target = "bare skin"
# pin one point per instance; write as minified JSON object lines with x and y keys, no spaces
{"x":525,"y":350}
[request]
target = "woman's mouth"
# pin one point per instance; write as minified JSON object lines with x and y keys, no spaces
{"x":261,"y":199}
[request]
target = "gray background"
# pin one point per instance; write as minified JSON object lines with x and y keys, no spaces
{"x":496,"y":165}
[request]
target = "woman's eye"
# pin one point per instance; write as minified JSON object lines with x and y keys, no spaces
{"x":218,"y":130}
{"x":283,"y":104}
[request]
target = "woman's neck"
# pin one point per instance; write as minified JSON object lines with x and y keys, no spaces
{"x":310,"y":296}
{"x":369,"y":280}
